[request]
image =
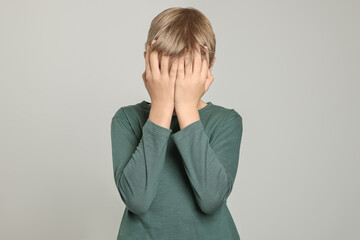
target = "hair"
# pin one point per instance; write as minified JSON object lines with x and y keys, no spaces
{"x":179,"y":29}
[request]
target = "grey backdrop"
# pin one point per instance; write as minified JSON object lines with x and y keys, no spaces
{"x":290,"y":68}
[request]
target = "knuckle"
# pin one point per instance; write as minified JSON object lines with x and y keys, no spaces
{"x":148,"y":76}
{"x":156,"y":77}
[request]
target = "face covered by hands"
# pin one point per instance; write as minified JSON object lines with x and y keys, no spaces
{"x":193,"y":79}
{"x":188,"y":80}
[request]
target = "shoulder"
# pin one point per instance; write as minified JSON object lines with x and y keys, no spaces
{"x":223,"y":119}
{"x":127,"y":111}
{"x":226,"y":113}
{"x":131,"y":116}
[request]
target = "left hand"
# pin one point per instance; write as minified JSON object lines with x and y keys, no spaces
{"x":192,"y":80}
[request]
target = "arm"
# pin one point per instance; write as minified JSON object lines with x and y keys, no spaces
{"x":211,"y":166}
{"x":137,"y":164}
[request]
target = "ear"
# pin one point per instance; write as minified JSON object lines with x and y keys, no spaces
{"x":144,"y":54}
{"x":209,"y":76}
{"x":212,"y":64}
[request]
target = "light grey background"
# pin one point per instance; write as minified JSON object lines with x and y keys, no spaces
{"x":290,"y":68}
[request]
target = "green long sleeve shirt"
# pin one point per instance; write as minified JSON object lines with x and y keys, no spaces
{"x":175,"y":183}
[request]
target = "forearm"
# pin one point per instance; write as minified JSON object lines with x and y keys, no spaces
{"x":137,"y":168}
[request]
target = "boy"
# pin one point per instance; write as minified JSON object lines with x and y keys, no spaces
{"x":175,"y":160}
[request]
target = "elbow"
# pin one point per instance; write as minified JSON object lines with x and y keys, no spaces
{"x":136,"y":203}
{"x":211,"y":204}
{"x":211,"y":201}
{"x":137,"y":206}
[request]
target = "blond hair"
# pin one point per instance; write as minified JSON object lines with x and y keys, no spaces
{"x":177,"y":29}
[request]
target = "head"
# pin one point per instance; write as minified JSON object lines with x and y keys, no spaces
{"x":177,"y":29}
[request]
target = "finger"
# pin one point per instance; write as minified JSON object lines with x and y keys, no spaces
{"x":180,"y":70}
{"x":197,"y":60}
{"x":165,"y":65}
{"x":154,"y":62}
{"x":173,"y":70}
{"x":188,"y":64}
{"x":147,"y":60}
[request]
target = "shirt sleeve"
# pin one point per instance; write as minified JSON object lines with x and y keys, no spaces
{"x":137,"y":164}
{"x":211,"y":165}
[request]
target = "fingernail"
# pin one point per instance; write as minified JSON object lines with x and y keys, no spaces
{"x":154,"y":40}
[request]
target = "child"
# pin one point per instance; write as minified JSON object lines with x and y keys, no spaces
{"x":175,"y":159}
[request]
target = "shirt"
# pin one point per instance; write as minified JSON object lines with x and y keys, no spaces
{"x":175,"y":183}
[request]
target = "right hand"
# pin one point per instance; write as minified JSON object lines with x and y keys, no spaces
{"x":159,"y":82}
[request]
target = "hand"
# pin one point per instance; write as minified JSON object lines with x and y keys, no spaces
{"x":192,"y":80}
{"x":160,"y":82}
